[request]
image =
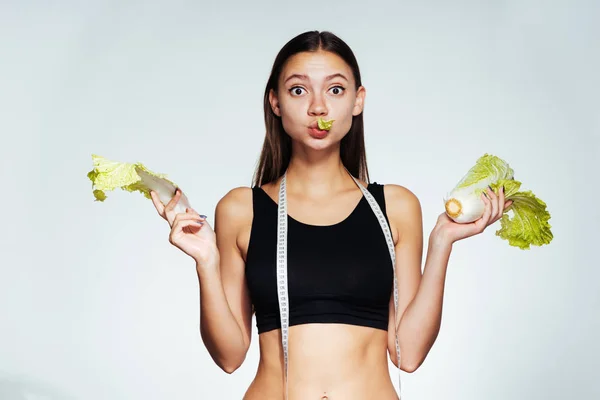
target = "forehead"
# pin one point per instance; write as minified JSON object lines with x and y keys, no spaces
{"x":316,"y":65}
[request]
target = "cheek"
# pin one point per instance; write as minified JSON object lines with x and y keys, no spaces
{"x":293,"y":114}
{"x":345,"y":119}
{"x":288,"y":125}
{"x":345,"y":125}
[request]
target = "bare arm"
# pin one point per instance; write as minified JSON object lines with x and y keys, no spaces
{"x":420,"y":320}
{"x":404,"y":213}
{"x":225,"y":307}
{"x":420,"y":324}
{"x":421,"y":296}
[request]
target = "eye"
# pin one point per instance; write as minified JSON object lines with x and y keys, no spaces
{"x":337,"y":90}
{"x":296,"y":90}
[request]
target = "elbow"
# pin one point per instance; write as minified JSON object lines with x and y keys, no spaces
{"x":230,"y":366}
{"x":229,"y":359}
{"x":410,"y":367}
{"x":229,"y":369}
{"x":412,"y":360}
{"x":409,"y":364}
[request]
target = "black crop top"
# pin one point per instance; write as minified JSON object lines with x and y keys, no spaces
{"x":340,"y":273}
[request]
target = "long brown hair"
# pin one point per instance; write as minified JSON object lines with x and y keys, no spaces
{"x":277,"y":147}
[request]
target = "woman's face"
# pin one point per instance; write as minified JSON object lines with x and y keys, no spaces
{"x":315,"y":85}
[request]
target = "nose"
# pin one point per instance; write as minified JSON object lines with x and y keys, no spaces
{"x":317,"y":106}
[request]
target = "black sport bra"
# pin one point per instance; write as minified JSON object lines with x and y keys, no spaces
{"x":340,"y":273}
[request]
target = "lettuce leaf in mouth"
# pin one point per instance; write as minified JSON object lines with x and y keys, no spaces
{"x":325,"y":125}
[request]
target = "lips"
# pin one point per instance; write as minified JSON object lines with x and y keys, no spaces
{"x":317,"y":133}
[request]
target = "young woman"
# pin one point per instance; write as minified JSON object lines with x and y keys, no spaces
{"x":342,"y":324}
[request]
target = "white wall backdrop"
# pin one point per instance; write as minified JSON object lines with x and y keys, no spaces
{"x":96,"y":304}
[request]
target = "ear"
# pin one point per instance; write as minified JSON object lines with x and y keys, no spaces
{"x":359,"y":103}
{"x":274,"y":102}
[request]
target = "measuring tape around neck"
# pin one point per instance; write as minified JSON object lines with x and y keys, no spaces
{"x":282,"y":282}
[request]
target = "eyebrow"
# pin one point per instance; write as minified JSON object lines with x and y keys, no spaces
{"x":305,"y":77}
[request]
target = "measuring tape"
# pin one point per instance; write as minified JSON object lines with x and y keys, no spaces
{"x":282,"y":281}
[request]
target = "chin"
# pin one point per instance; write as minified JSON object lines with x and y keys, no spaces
{"x":318,"y":144}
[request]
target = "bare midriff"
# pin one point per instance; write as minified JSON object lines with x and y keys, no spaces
{"x":326,"y":362}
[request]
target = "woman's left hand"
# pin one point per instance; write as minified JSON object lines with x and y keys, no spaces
{"x":450,"y":232}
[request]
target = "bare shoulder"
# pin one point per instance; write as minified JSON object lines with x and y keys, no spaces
{"x":233,"y":213}
{"x":403,"y":209}
{"x":233,"y":221}
{"x":237,"y":203}
{"x":400,"y":198}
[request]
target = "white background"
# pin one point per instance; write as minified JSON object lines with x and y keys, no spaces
{"x":96,"y":304}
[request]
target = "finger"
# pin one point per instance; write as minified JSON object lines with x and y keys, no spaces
{"x":186,"y":226}
{"x":193,"y":226}
{"x":494,"y":203}
{"x":508,"y":204}
{"x":482,"y":222}
{"x":169,"y":213}
{"x":173,"y":202}
{"x":191,"y":210}
{"x":160,"y":208}
{"x":501,"y":204}
{"x":187,"y":216}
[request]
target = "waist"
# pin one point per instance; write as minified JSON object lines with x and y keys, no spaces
{"x":334,"y":360}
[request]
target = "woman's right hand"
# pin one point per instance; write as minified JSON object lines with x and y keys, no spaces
{"x":190,"y":232}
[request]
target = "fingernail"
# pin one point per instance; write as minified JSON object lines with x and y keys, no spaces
{"x":200,"y":222}
{"x":490,"y":188}
{"x":203,"y":216}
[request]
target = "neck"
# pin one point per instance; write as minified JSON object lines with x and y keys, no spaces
{"x":317,"y":174}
